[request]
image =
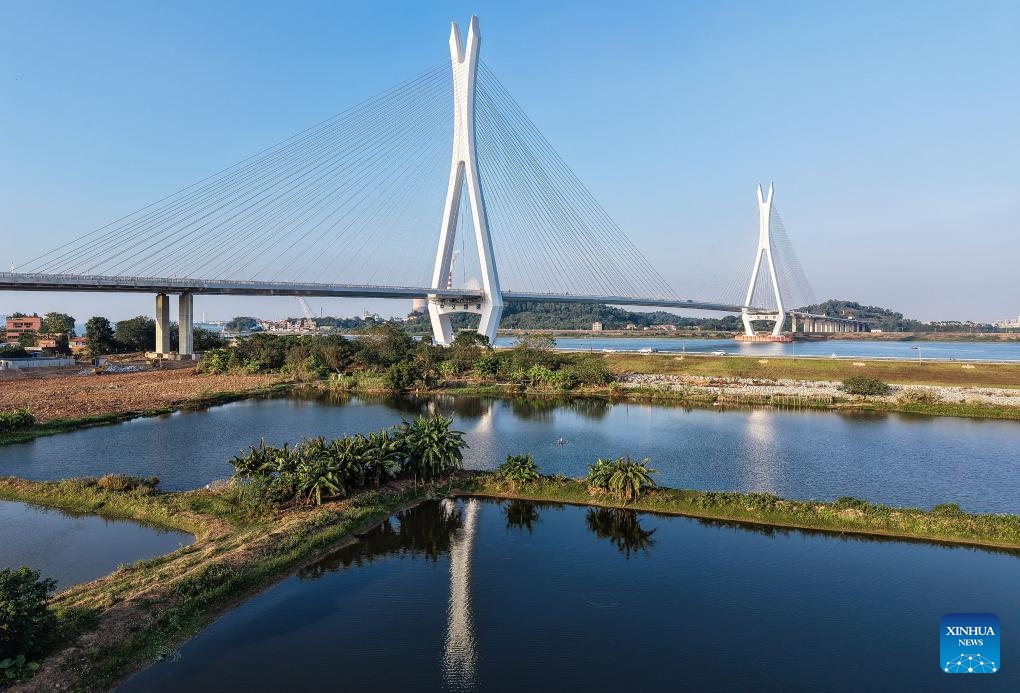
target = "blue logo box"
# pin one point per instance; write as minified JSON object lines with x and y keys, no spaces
{"x":969,"y":644}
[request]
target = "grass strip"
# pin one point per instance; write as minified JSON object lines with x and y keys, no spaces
{"x":944,"y":523}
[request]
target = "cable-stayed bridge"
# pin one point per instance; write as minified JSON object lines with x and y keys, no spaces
{"x":351,"y":208}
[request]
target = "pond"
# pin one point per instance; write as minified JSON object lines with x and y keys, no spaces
{"x":889,"y":458}
{"x":479,"y":595}
{"x":73,"y":548}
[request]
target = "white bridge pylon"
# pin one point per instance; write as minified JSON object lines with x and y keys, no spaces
{"x":464,"y":176}
{"x":764,"y":255}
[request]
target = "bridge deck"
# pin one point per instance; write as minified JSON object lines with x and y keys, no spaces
{"x":172,"y":285}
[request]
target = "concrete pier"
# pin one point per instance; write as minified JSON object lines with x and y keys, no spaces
{"x":162,"y":324}
{"x":186,"y":324}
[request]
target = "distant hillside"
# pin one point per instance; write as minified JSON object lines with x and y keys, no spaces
{"x":577,"y":316}
{"x":880,"y":318}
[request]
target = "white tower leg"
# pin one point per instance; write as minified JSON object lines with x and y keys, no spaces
{"x":464,"y":175}
{"x":764,"y":253}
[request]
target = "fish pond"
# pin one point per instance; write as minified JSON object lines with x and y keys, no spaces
{"x":474,"y":595}
{"x":72,"y":548}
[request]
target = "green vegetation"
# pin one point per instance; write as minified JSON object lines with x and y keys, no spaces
{"x":27,"y":626}
{"x":13,"y":351}
{"x":16,"y":420}
{"x":58,"y":323}
{"x":99,"y":335}
{"x":398,"y":363}
{"x":623,"y":478}
{"x":518,"y":471}
{"x":860,"y":385}
{"x":315,"y":471}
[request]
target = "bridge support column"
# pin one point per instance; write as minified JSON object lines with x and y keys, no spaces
{"x":186,"y":323}
{"x":162,"y":324}
{"x":764,"y":256}
{"x":464,"y":178}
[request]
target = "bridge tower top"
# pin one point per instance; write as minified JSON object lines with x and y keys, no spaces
{"x":464,"y":176}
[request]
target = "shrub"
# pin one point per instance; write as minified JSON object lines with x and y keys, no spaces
{"x":216,"y":361}
{"x":622,"y":477}
{"x":430,"y":448}
{"x":518,"y":471}
{"x":918,"y":395}
{"x":121,"y":483}
{"x":592,"y":370}
{"x":402,"y":376}
{"x":16,"y":420}
{"x":27,"y":625}
{"x":339,"y":382}
{"x":860,"y":385}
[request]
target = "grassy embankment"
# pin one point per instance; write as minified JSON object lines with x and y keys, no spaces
{"x":199,"y":401}
{"x":140,"y":612}
{"x":944,"y":523}
{"x":120,"y":623}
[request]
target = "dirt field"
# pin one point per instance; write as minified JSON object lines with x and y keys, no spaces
{"x":66,"y":394}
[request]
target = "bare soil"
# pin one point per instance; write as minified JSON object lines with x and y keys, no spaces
{"x":74,"y":392}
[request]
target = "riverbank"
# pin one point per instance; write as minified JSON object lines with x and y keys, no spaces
{"x":936,"y":373}
{"x":139,"y":613}
{"x":80,"y":394}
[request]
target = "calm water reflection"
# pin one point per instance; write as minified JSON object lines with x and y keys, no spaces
{"x":890,"y":458}
{"x":76,"y":548}
{"x":477,"y":595}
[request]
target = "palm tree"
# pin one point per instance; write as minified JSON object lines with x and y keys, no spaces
{"x":629,"y":477}
{"x":430,"y":448}
{"x":381,"y":456}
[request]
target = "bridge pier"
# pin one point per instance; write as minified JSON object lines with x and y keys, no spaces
{"x":464,"y":178}
{"x":162,"y":324}
{"x":186,"y":324}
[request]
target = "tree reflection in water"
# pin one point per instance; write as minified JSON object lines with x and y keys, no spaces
{"x":426,"y":530}
{"x":622,"y":527}
{"x":521,"y":515}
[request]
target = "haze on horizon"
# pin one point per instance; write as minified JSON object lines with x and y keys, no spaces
{"x":890,"y":130}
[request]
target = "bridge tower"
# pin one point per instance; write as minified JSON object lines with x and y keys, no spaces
{"x":763,"y":256}
{"x":464,"y":178}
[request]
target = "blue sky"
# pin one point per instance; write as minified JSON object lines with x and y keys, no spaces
{"x":890,"y":129}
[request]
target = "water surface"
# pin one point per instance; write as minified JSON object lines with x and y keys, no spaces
{"x":959,"y":351}
{"x":486,"y":596}
{"x":73,"y":548}
{"x":890,"y":458}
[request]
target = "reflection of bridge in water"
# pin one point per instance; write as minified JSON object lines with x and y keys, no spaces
{"x":460,"y":656}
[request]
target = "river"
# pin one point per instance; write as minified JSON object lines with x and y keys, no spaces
{"x":897,"y":459}
{"x":486,"y":596}
{"x":849,"y":348}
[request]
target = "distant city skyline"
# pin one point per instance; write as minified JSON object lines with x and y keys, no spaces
{"x":889,"y":130}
